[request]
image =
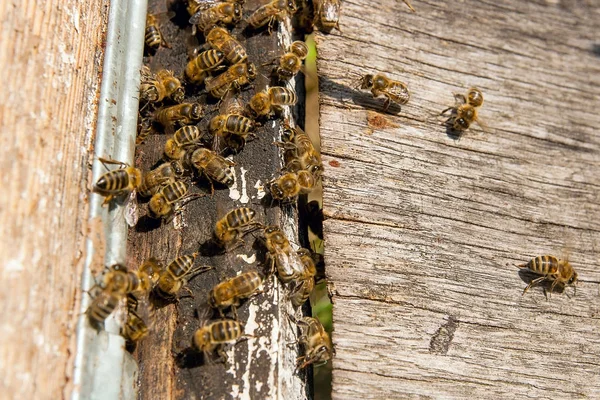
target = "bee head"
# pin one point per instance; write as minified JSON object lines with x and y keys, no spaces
{"x":367,"y":82}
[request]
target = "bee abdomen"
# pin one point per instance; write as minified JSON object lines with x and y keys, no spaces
{"x":180,"y":266}
{"x":113,"y":181}
{"x":240,"y":216}
{"x":227,"y":330}
{"x":220,"y":172}
{"x":175,"y":191}
{"x":153,"y":37}
{"x":543,"y":265}
{"x":238,"y":124}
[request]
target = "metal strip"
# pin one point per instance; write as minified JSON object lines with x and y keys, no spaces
{"x":103,"y":369}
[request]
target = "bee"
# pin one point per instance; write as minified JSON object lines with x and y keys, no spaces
{"x":162,"y":175}
{"x":193,"y":6}
{"x":184,"y":114}
{"x":237,"y":75}
{"x":153,"y":36}
{"x":157,"y":87}
{"x":226,"y":13}
{"x":184,"y":136}
{"x":112,"y":294}
{"x":229,"y":293}
{"x":117,"y":182}
{"x":291,"y":184}
{"x":380,"y":85}
{"x":305,"y":282}
{"x":145,"y":128}
{"x":133,"y":283}
{"x":271,"y":99}
{"x":231,"y":125}
{"x":300,"y":152}
{"x":291,"y":62}
{"x":134,"y":329}
{"x":198,"y":68}
{"x":176,"y":274}
{"x":214,"y":334}
{"x":315,"y":340}
{"x":275,"y":10}
{"x":466,"y":113}
{"x":161,"y":203}
{"x":229,"y":228}
{"x":560,"y":272}
{"x":215,"y":167}
{"x":283,"y":257}
{"x":327,"y":14}
{"x":220,"y":39}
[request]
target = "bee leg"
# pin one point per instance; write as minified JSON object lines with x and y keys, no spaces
{"x":222,"y":354}
{"x":409,"y":5}
{"x":107,"y":199}
{"x":234,"y":311}
{"x":533,"y":282}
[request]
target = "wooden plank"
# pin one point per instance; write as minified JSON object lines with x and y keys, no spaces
{"x":422,"y":230}
{"x":262,"y":367}
{"x":50,"y":64}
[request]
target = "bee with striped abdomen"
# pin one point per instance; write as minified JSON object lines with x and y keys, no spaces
{"x":230,"y":292}
{"x":264,"y":103}
{"x":214,"y":166}
{"x":200,"y":66}
{"x":327,"y":14}
{"x":175,"y":276}
{"x":559,"y":272}
{"x":315,"y":340}
{"x":234,"y":224}
{"x":184,"y":136}
{"x":291,"y":62}
{"x":214,"y":335}
{"x":153,"y":36}
{"x":291,"y":184}
{"x":220,"y":39}
{"x":182,"y":114}
{"x":117,"y":182}
{"x":225,"y":13}
{"x":162,"y":175}
{"x":380,"y":85}
{"x":465,"y":114}
{"x":275,"y":10}
{"x":236,"y":76}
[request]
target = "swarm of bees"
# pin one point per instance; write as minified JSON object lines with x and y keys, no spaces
{"x":206,"y":122}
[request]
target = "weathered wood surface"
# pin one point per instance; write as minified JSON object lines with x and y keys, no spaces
{"x":263,"y":366}
{"x":50,"y":64}
{"x":422,"y":231}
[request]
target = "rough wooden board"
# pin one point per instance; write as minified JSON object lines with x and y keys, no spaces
{"x":424,"y":229}
{"x":50,"y":63}
{"x":258,"y":368}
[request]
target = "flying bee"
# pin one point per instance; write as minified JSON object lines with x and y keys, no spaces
{"x":214,"y":166}
{"x":380,"y":85}
{"x":272,"y":99}
{"x":300,"y":152}
{"x":161,"y":203}
{"x":288,"y":263}
{"x":315,"y":340}
{"x":162,"y":175}
{"x":134,"y":329}
{"x":117,"y":182}
{"x":229,"y":293}
{"x":560,"y":272}
{"x":466,"y":113}
{"x":183,"y":114}
{"x":215,"y":334}
{"x":198,"y":68}
{"x":291,"y":62}
{"x":327,"y":14}
{"x":175,"y":276}
{"x":237,"y":75}
{"x":220,"y":39}
{"x":153,"y":36}
{"x":275,"y":10}
{"x":234,"y":224}
{"x":227,"y":13}
{"x":291,"y":184}
{"x":184,"y":136}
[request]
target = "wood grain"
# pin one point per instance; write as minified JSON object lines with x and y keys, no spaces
{"x":423,"y":229}
{"x":263,"y":366}
{"x":50,"y":64}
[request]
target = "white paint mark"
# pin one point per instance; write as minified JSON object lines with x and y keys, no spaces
{"x":234,"y":193}
{"x":247,"y":260}
{"x":13,"y":265}
{"x":179,"y":222}
{"x":244,"y":199}
{"x":260,"y":189}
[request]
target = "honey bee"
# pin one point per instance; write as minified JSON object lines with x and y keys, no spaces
{"x":220,"y":39}
{"x":134,"y":329}
{"x":184,"y":114}
{"x":300,"y":152}
{"x":157,"y":87}
{"x":560,"y":272}
{"x":305,"y":282}
{"x":380,"y":85}
{"x":117,"y":182}
{"x":215,"y":167}
{"x":231,"y":125}
{"x":230,"y":292}
{"x":226,"y":13}
{"x":236,"y":222}
{"x":134,"y":283}
{"x":466,"y":113}
{"x":103,"y":304}
{"x":275,"y":10}
{"x":315,"y":340}
{"x":161,"y":203}
{"x":193,"y":6}
{"x":162,"y":175}
{"x":145,"y":128}
{"x":174,"y":277}
{"x":153,"y":36}
{"x":215,"y":334}
{"x":235,"y":76}
{"x":198,"y":68}
{"x":291,"y":184}
{"x":282,"y":256}
{"x":264,"y":103}
{"x":327,"y":14}
{"x":184,"y":136}
{"x":291,"y":62}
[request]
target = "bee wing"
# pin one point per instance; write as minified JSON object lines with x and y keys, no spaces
{"x":131,"y":209}
{"x":296,"y":262}
{"x":203,"y":7}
